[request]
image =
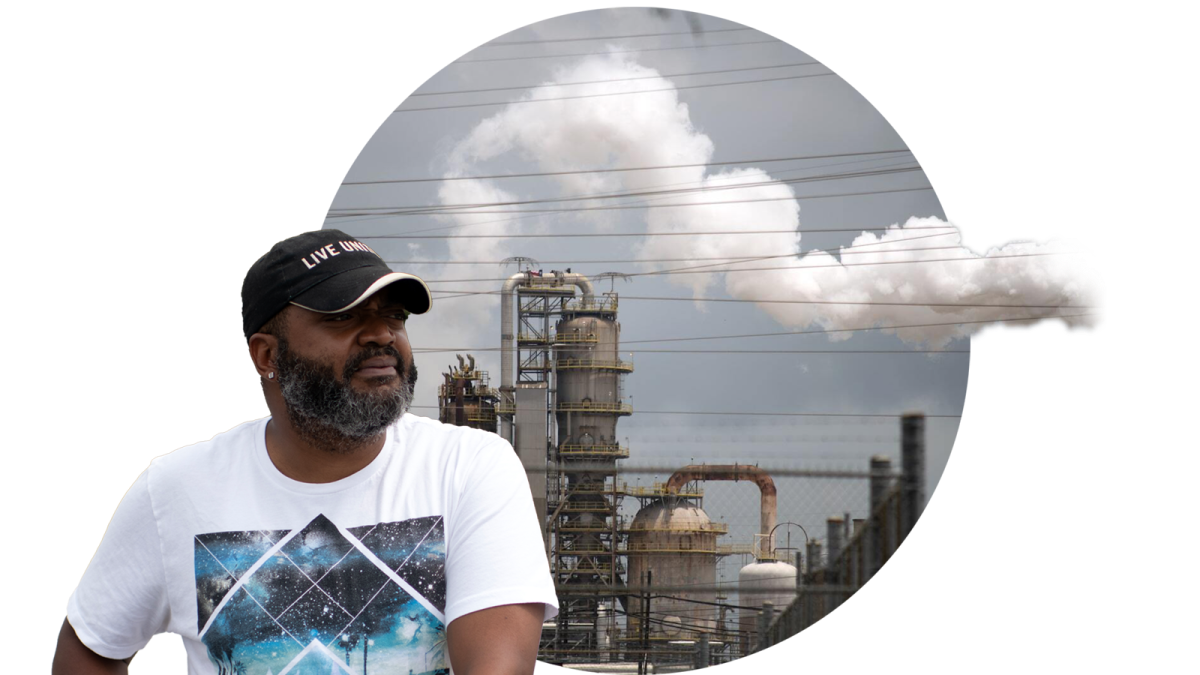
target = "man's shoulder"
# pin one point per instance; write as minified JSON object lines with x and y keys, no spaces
{"x":449,"y":437}
{"x":232,"y":445}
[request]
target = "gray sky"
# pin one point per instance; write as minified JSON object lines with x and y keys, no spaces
{"x":787,"y":118}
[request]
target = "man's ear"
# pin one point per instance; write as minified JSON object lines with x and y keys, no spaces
{"x":264,"y":347}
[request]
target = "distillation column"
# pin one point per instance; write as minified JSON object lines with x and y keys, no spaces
{"x":588,"y":402}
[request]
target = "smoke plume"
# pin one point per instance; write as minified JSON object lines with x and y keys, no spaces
{"x":910,"y":275}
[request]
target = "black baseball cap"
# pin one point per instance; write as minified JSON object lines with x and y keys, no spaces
{"x":323,"y":271}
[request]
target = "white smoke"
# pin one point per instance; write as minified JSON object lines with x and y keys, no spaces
{"x":930,"y":279}
{"x":655,"y":130}
{"x":566,"y":135}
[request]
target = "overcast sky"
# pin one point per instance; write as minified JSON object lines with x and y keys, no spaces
{"x":797,"y":117}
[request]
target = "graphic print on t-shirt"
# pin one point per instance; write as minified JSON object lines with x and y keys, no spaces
{"x":324,"y":599}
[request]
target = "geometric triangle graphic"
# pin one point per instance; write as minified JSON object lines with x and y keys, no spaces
{"x":221,"y":558}
{"x":415,"y":550}
{"x":323,"y":599}
{"x":317,"y":547}
{"x":318,"y":660}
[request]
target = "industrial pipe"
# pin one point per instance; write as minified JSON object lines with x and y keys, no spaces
{"x":735,"y":472}
{"x":507,"y":344}
{"x":508,"y":335}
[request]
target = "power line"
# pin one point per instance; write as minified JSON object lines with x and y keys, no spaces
{"x":460,"y":208}
{"x":505,"y":43}
{"x":619,"y":79}
{"x":712,"y":180}
{"x":779,"y":268}
{"x":852,"y":249}
{"x":728,"y":633}
{"x":630,"y":234}
{"x":631,"y":168}
{"x":615,"y":51}
{"x":834,"y":302}
{"x":723,"y":180}
{"x":852,"y":264}
{"x":719,"y":604}
{"x":819,"y":331}
{"x":440,"y":350}
{"x":870,"y":303}
{"x":623,"y":207}
{"x":613,"y":93}
{"x":853,"y":330}
{"x":635,"y":234}
{"x":740,"y":413}
{"x":845,"y":250}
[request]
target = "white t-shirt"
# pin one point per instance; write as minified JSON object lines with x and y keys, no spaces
{"x":262,"y":574}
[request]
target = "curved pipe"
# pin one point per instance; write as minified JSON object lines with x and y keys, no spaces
{"x":581,"y":282}
{"x":735,"y":472}
{"x":508,"y":333}
{"x":507,"y":344}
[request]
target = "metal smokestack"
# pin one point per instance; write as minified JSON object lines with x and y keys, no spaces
{"x":834,"y":527}
{"x":912,"y":462}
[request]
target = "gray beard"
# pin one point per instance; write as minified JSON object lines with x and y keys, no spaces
{"x":328,"y":412}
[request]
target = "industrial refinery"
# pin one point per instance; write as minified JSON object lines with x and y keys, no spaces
{"x":640,"y":593}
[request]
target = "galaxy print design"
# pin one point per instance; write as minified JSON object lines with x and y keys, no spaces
{"x":324,"y":599}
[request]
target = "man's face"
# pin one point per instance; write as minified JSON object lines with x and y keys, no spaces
{"x":347,"y":375}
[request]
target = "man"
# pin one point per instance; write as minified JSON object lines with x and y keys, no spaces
{"x":339,"y":534}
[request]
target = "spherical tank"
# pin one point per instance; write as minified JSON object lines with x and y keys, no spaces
{"x":588,"y":371}
{"x":773,"y":582}
{"x":676,"y":544}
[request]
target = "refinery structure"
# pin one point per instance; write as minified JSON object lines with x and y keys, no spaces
{"x":640,"y":594}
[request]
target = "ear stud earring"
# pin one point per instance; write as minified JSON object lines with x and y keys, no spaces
{"x":271,"y":375}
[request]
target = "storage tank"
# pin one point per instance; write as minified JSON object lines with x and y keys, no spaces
{"x":760,"y":582}
{"x":676,"y":542}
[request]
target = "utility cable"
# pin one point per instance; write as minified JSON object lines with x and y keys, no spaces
{"x":738,"y":413}
{"x":457,"y":209}
{"x":613,"y":93}
{"x":872,"y":303}
{"x":768,"y":160}
{"x":851,"y":330}
{"x":618,"y":79}
{"x":440,"y":350}
{"x":845,"y":250}
{"x":506,"y":43}
{"x":654,"y":206}
{"x":615,"y":51}
{"x":638,"y":234}
{"x":722,"y":180}
{"x":787,"y":267}
{"x":823,"y":330}
{"x":680,"y":271}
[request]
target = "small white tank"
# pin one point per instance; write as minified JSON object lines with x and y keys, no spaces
{"x":773,"y":582}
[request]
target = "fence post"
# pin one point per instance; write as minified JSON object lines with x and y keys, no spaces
{"x":804,"y":601}
{"x":912,"y":461}
{"x":764,"y":624}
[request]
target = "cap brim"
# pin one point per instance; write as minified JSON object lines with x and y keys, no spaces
{"x":350,"y":288}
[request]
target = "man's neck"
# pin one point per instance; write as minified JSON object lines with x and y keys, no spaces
{"x":318,"y":458}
